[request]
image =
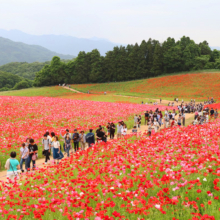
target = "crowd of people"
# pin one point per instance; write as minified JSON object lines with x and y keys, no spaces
{"x":78,"y":140}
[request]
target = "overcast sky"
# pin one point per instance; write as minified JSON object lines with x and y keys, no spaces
{"x":120,"y":21}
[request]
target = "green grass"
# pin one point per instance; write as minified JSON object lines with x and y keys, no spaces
{"x":43,"y":91}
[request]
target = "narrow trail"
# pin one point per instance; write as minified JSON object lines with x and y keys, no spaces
{"x":163,"y":102}
{"x":65,"y":87}
{"x":40,"y":162}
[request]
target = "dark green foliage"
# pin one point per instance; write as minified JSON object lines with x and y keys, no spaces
{"x":149,"y":59}
{"x":9,"y":80}
{"x":23,"y":69}
{"x":21,"y":85}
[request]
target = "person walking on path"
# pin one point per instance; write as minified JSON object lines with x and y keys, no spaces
{"x":33,"y":149}
{"x":135,"y":120}
{"x":212,"y":112}
{"x":46,"y":148}
{"x":150,"y":128}
{"x":82,"y":139}
{"x":166,"y":121}
{"x":24,"y":154}
{"x":146,"y":114}
{"x":64,"y":136}
{"x":179,"y":120}
{"x":48,"y":135}
{"x":108,"y":128}
{"x":119,"y":128}
{"x":57,"y":153}
{"x":183,"y":118}
{"x":52,"y":140}
{"x":90,"y":138}
{"x":112,"y":130}
{"x":76,"y":140}
{"x":12,"y":166}
{"x":67,"y":144}
{"x":216,"y":113}
{"x":156,"y":125}
{"x":139,"y":121}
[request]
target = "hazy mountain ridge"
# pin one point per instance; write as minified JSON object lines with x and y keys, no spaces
{"x":11,"y":51}
{"x":61,"y":43}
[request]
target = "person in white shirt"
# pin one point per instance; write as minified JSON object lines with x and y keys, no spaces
{"x":24,"y":154}
{"x":156,"y":125}
{"x":207,"y":117}
{"x":135,"y":120}
{"x":48,"y":136}
{"x":57,"y":154}
{"x":166,"y":121}
{"x":124,"y":130}
{"x":119,"y":129}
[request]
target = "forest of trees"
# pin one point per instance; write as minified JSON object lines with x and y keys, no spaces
{"x":9,"y":81}
{"x":149,"y":59}
{"x":24,"y":69}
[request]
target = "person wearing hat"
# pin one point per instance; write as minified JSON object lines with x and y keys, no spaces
{"x":82,"y":139}
{"x":76,"y":140}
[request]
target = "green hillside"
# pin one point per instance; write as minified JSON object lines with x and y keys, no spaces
{"x":11,"y":51}
{"x":23,"y":69}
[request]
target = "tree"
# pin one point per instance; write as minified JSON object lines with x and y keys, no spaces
{"x":157,"y":66}
{"x":96,"y":66}
{"x":201,"y":62}
{"x":82,"y":67}
{"x":216,"y":54}
{"x":131,"y":62}
{"x":205,"y":49}
{"x":21,"y":85}
{"x":142,"y":69}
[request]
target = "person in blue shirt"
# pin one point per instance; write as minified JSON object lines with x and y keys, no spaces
{"x":12,"y":165}
{"x":90,"y":138}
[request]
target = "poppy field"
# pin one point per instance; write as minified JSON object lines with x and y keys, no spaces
{"x":173,"y":174}
{"x":23,"y":117}
{"x":198,"y":86}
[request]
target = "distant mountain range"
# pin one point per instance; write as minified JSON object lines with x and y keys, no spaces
{"x":60,"y":43}
{"x":11,"y":51}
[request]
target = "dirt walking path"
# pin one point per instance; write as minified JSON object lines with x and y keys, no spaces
{"x":65,"y":87}
{"x":164,"y":102}
{"x":41,"y":162}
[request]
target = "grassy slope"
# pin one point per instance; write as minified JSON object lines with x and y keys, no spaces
{"x":63,"y":93}
{"x":43,"y":91}
{"x":193,"y":85}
